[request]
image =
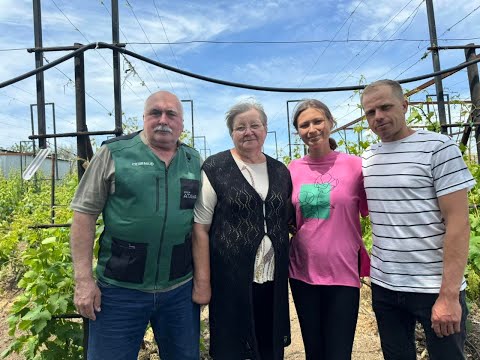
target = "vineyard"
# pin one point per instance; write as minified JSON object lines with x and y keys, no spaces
{"x":36,"y":263}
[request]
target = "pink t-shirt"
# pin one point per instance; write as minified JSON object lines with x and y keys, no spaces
{"x":328,"y":197}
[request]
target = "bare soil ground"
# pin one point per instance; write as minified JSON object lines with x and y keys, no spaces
{"x":6,"y":300}
{"x":366,"y":345}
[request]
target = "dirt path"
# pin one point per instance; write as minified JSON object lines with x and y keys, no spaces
{"x":6,"y":300}
{"x":366,"y":345}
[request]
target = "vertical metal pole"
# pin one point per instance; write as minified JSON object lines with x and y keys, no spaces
{"x":427,"y":99}
{"x":80,"y":112}
{"x":358,"y":143}
{"x":21,"y":161}
{"x":55,"y":140}
{"x":288,"y":131}
{"x":33,"y":128}
{"x":204,"y":147}
{"x":450,"y":131}
{"x":117,"y":87}
{"x":474,"y":85}
{"x":436,"y":66}
{"x":193,"y":127}
{"x":33,"y":141}
{"x":288,"y":127}
{"x":37,"y":26}
{"x":52,"y":191}
{"x":276,"y":145}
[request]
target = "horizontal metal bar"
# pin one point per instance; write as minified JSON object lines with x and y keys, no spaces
{"x":451,"y":102}
{"x":48,"y":226}
{"x":74,"y":134}
{"x":220,"y":81}
{"x":454,"y":47}
{"x":423,"y":126}
{"x":70,"y":48}
{"x":67,"y":316}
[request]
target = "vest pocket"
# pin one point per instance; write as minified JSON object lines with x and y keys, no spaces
{"x":127,"y":262}
{"x":189,"y":189}
{"x":181,"y":260}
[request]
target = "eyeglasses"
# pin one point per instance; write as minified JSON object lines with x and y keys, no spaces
{"x":243,"y":128}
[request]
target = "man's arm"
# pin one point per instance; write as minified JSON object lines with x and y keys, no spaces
{"x":447,"y":312}
{"x":201,"y":264}
{"x":87,"y":296}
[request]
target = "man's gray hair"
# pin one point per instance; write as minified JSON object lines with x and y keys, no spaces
{"x":242,"y":107}
{"x":162,"y":93}
{"x":397,"y":90}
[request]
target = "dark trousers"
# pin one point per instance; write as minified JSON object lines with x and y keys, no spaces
{"x":120,"y":326}
{"x":397,"y":312}
{"x":263,"y":315}
{"x":328,"y":318}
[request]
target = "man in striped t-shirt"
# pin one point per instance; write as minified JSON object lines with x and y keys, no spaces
{"x":416,"y":184}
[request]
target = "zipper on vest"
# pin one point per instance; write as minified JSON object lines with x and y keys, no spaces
{"x":163,"y":225}
{"x":157,"y":203}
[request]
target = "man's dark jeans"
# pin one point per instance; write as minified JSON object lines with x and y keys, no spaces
{"x":397,"y":313}
{"x":120,"y":326}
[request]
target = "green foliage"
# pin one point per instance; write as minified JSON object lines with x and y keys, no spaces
{"x":366,"y":233}
{"x":419,"y":117}
{"x":364,"y":138}
{"x":186,"y":137}
{"x":47,"y":291}
{"x":473,"y":267}
{"x":296,"y":154}
{"x":43,"y":257}
{"x":10,"y":195}
{"x":40,"y":260}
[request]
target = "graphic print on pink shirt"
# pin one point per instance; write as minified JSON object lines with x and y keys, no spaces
{"x":315,"y":199}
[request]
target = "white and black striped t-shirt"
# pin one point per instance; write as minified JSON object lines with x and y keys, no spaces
{"x":403,"y":180}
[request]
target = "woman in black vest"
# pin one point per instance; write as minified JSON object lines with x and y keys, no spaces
{"x":241,"y":243}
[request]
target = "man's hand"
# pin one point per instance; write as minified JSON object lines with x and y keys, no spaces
{"x":446,"y":315}
{"x":201,"y":292}
{"x":87,"y":298}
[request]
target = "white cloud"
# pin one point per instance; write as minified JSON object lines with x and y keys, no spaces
{"x":262,"y":64}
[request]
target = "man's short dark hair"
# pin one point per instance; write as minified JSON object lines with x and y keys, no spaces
{"x":397,"y":90}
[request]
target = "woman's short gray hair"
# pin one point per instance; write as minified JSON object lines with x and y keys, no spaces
{"x":240,"y":108}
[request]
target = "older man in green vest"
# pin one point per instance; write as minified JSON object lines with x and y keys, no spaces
{"x":145,"y":185}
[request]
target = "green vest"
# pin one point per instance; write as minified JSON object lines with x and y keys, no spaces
{"x":147,"y":241}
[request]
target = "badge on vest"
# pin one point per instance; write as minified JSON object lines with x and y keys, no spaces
{"x":189,"y":189}
{"x":143,"y":163}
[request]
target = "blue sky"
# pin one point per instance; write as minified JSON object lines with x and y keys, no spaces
{"x":386,"y":39}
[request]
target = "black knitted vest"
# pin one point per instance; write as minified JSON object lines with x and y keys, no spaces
{"x":235,"y":234}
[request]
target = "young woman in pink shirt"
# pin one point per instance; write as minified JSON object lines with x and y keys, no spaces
{"x":327,"y":255}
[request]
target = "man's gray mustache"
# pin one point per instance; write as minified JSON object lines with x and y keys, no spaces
{"x":163,"y":128}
